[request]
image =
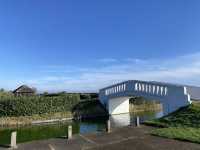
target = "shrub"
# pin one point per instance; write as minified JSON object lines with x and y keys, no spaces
{"x":27,"y":106}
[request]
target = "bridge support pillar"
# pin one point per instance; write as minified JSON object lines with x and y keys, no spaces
{"x":118,"y":105}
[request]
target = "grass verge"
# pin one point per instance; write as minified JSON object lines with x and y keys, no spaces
{"x":179,"y":133}
{"x":183,"y":124}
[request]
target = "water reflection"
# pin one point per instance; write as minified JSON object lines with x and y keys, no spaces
{"x":46,"y":131}
{"x":88,"y":127}
{"x":129,"y":118}
{"x":120,"y":120}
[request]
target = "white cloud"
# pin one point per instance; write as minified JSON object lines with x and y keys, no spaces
{"x":182,"y":69}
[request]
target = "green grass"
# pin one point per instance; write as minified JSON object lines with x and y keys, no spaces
{"x":183,"y":124}
{"x":188,"y":116}
{"x":31,"y":133}
{"x":179,"y":133}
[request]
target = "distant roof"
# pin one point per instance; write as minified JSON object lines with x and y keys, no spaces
{"x":23,"y":89}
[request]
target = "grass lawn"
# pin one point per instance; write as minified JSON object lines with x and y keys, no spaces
{"x":183,"y":124}
{"x":179,"y":133}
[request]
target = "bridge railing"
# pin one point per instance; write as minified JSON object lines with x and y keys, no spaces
{"x":144,"y":88}
{"x":151,"y":89}
{"x":115,"y":89}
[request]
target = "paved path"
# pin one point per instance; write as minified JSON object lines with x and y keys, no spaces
{"x":127,"y":138}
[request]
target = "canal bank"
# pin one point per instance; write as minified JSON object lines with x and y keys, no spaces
{"x":59,"y":129}
{"x":88,"y":117}
{"x":129,"y":138}
{"x":84,"y":109}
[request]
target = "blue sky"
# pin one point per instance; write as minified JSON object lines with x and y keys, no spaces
{"x":85,"y":45}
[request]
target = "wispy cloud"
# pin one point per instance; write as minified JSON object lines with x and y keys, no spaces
{"x":135,"y":60}
{"x":182,"y":69}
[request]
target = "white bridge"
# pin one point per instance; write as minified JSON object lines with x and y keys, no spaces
{"x":116,"y":97}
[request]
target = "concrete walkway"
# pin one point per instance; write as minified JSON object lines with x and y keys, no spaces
{"x":127,"y":138}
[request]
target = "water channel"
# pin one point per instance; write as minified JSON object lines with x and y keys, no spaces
{"x":59,"y":130}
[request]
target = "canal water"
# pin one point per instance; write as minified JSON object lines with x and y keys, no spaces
{"x":59,"y":130}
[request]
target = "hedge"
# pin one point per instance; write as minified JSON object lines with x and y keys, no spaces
{"x":27,"y":106}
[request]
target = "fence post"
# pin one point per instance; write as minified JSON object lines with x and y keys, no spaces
{"x":13,"y":143}
{"x":137,"y":121}
{"x":108,"y":127}
{"x":69,"y":132}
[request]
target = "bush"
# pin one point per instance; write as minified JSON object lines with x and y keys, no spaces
{"x":27,"y":106}
{"x":89,"y":109}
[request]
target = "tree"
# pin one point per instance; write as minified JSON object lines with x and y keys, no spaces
{"x":2,"y":90}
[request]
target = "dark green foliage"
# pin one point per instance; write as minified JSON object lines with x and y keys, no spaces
{"x":57,"y":94}
{"x":94,"y":95}
{"x":5,"y":94}
{"x":88,"y":96}
{"x":89,"y":109}
{"x":27,"y":106}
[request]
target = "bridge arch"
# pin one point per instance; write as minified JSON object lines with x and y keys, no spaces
{"x":116,"y":97}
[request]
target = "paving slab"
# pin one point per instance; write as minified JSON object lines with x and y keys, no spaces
{"x":126,"y":138}
{"x":76,"y":143}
